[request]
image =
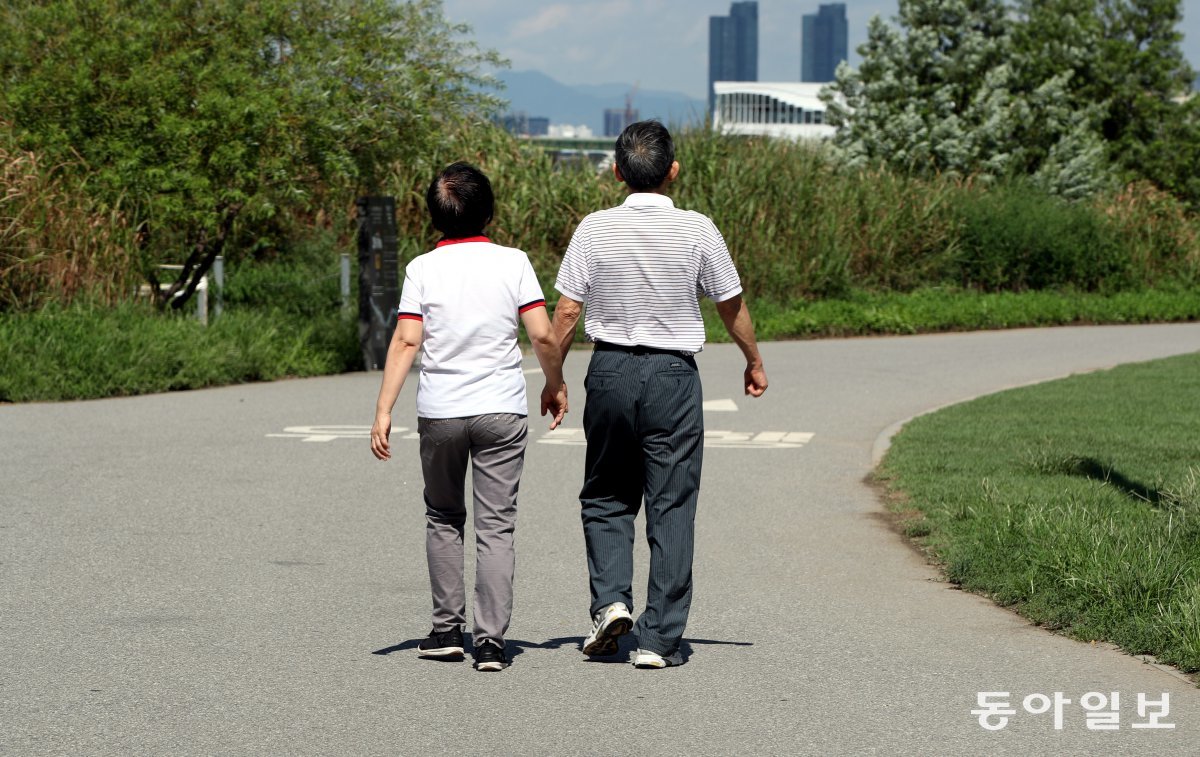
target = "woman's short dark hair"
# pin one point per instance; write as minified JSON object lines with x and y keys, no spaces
{"x":645,"y":153}
{"x":460,"y":201}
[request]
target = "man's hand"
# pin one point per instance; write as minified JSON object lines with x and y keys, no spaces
{"x":737,"y":321}
{"x":379,"y":436}
{"x":756,"y":379}
{"x":554,"y":401}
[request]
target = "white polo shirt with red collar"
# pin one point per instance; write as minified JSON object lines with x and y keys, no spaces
{"x":469,"y":295}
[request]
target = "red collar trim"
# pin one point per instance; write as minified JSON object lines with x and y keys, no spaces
{"x":445,"y":242}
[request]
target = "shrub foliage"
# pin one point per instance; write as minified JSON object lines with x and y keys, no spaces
{"x":193,"y":122}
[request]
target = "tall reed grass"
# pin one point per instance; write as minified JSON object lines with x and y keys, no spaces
{"x":56,"y":240}
{"x":1162,"y":239}
{"x":802,"y":228}
{"x":799,"y":226}
{"x":538,"y":203}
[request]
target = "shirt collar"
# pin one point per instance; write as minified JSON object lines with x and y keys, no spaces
{"x":648,"y":199}
{"x":462,"y":240}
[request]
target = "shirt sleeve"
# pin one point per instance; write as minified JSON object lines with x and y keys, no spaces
{"x":719,"y":278}
{"x":573,"y":280}
{"x":410,"y":294}
{"x":529,"y":290}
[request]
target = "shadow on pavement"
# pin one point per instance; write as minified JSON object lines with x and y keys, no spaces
{"x":627,"y":644}
{"x":410,"y":644}
{"x":514,"y":647}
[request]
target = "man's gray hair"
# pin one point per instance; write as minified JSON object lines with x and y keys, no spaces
{"x":645,"y":153}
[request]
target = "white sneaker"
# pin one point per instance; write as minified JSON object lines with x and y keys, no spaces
{"x":644,"y":658}
{"x":607,"y":624}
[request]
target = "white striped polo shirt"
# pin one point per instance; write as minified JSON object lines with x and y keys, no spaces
{"x":469,"y":295}
{"x":641,"y":267}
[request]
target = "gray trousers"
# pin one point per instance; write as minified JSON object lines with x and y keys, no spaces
{"x":644,"y":423}
{"x":495,"y":445}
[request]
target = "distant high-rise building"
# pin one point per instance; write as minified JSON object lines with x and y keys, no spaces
{"x":522,"y":124}
{"x":616,"y":119}
{"x":733,"y":46}
{"x":824,"y":43}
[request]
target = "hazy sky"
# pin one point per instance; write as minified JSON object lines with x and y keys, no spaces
{"x":663,"y":44}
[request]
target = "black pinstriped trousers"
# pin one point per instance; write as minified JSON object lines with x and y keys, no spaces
{"x":645,"y":438}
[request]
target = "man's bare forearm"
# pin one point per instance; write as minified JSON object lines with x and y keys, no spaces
{"x":566,"y":316}
{"x":740,"y":326}
{"x":736,"y":316}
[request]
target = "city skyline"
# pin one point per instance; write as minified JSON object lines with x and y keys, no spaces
{"x":733,"y":45}
{"x":823,"y":44}
{"x":663,"y":44}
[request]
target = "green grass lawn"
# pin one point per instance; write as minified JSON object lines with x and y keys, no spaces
{"x":1075,"y":502}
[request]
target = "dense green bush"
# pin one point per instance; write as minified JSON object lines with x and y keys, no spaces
{"x":1013,"y":238}
{"x":303,"y":289}
{"x":81,"y":351}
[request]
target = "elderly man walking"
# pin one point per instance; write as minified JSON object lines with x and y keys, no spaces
{"x":639,"y":268}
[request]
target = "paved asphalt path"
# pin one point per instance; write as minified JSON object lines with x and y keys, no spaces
{"x":176,"y":580}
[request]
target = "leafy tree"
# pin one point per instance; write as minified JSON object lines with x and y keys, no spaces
{"x":1128,"y":67}
{"x":196,"y":116}
{"x":1058,"y":90}
{"x":907,"y":103}
{"x":943,"y":94}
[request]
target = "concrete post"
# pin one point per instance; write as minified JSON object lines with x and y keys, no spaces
{"x":345,"y":263}
{"x":218,"y":270}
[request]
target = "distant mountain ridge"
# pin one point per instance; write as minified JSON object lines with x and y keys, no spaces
{"x":537,"y":94}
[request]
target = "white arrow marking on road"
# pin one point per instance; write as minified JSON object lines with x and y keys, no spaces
{"x":329,"y":433}
{"x":764,"y":440}
{"x":710,"y":406}
{"x":563,"y":435}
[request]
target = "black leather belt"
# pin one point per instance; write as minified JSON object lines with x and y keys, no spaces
{"x":638,"y":349}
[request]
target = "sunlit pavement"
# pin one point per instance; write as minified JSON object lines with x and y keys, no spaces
{"x":230,"y":571}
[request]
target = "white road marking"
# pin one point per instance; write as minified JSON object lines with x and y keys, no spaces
{"x":719,"y":439}
{"x":710,"y":406}
{"x":561,"y":435}
{"x":330,"y":433}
